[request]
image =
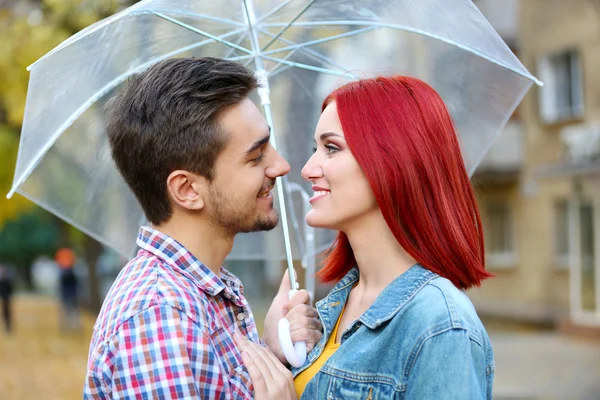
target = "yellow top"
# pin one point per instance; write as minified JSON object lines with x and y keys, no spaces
{"x":331,"y":346}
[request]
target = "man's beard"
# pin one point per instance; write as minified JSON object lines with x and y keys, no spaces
{"x":237,"y":219}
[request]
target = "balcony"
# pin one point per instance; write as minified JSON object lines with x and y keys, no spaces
{"x":504,"y":161}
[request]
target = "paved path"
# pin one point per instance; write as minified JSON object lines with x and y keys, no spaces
{"x":38,"y":361}
{"x":545,"y":366}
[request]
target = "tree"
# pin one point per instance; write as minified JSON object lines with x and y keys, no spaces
{"x":29,"y":30}
{"x":9,"y":209}
{"x":26,"y":237}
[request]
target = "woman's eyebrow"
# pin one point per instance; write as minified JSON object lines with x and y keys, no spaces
{"x":326,"y":135}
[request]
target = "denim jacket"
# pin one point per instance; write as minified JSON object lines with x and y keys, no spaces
{"x":420,"y":339}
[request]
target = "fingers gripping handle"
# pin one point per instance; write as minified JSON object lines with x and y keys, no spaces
{"x":295,"y":353}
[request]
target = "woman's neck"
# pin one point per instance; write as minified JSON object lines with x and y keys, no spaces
{"x":379,"y":256}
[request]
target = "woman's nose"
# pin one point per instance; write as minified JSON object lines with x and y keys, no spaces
{"x":312,"y":169}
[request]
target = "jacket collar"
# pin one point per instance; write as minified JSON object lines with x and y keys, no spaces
{"x":393,"y":298}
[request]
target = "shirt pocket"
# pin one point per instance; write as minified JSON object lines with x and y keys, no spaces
{"x":241,"y":385}
{"x":367,"y":388}
{"x":232,"y":366}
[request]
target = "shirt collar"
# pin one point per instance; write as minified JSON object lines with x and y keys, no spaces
{"x":179,"y":258}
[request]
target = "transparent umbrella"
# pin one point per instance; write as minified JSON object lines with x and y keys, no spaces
{"x":300,"y":50}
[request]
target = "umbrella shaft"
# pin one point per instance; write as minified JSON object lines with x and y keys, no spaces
{"x":282,"y":207}
{"x":263,"y":91}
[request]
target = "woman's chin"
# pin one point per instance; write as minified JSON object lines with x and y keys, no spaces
{"x":315,"y":220}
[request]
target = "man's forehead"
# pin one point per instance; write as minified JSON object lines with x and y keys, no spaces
{"x":244,"y":125}
{"x":242,"y":140}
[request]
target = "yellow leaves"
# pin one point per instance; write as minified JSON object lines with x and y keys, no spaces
{"x":24,"y":43}
{"x":9,"y":209}
{"x":24,"y":40}
{"x":78,"y":14}
{"x":39,"y":361}
{"x":27,"y":44}
{"x":76,"y":237}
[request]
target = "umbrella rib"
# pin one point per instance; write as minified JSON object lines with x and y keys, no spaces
{"x":232,"y":51}
{"x":287,"y":56}
{"x":240,"y":58}
{"x":203,"y":33}
{"x":289,"y":24}
{"x":304,"y":88}
{"x":252,"y":31}
{"x":308,"y":67}
{"x":136,"y":10}
{"x":311,"y":52}
{"x":93,"y":99}
{"x":274,"y":11}
{"x":291,"y":187}
{"x":292,"y":49}
{"x":83,"y":33}
{"x":323,"y":40}
{"x":278,"y":69}
{"x":419,"y":32}
{"x":190,"y":14}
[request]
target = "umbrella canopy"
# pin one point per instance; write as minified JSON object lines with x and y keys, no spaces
{"x":301,"y":50}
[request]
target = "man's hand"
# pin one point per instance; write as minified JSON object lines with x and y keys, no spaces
{"x":304,"y":320}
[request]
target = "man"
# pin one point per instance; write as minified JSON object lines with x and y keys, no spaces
{"x":6,"y":292}
{"x":195,"y":152}
{"x":68,"y":285}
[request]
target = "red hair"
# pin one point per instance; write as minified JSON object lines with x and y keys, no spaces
{"x":403,"y":137}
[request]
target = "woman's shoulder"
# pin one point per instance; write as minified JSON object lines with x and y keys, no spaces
{"x":440,"y":306}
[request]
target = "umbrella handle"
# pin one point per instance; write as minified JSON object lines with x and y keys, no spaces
{"x":295,"y":353}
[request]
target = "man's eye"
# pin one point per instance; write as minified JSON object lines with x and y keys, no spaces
{"x":258,"y":159}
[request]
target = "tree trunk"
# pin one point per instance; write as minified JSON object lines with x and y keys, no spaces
{"x":25,"y":269}
{"x":93,"y":249}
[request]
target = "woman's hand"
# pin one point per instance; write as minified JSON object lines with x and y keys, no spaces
{"x":305,"y":325}
{"x":270,"y":378}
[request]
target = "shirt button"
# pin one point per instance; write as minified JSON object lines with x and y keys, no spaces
{"x":241,"y":316}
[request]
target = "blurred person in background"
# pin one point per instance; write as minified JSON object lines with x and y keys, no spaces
{"x":6,"y":292}
{"x":388,"y":174}
{"x":68,"y":286}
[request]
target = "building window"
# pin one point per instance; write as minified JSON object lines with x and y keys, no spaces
{"x":561,"y":234}
{"x":587,"y":253}
{"x":561,"y":97}
{"x":499,"y":236}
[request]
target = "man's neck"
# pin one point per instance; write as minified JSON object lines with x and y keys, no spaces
{"x":201,"y":239}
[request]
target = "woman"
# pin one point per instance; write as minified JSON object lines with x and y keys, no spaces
{"x":387,"y":173}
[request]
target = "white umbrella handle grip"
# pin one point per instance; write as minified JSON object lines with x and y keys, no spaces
{"x":295,"y":353}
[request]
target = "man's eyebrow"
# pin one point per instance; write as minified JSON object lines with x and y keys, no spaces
{"x":259,"y":143}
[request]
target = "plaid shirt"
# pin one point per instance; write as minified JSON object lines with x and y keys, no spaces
{"x":165,"y":329}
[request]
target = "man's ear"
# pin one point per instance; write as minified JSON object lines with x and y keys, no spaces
{"x":187,"y":190}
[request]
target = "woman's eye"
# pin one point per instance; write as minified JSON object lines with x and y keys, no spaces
{"x":331,"y":148}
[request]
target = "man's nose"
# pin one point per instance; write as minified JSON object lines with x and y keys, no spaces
{"x":279,"y":168}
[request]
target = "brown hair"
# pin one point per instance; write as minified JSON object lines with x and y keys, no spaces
{"x":166,"y":118}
